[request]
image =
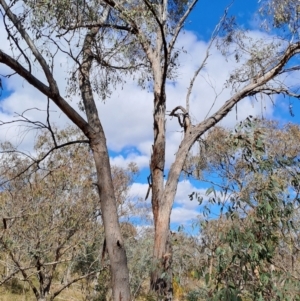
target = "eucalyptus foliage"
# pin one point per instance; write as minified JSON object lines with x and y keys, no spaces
{"x":259,"y":199}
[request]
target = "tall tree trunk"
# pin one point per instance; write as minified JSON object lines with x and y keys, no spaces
{"x":161,"y":277}
{"x":114,"y":241}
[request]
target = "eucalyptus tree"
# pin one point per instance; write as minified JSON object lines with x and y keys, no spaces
{"x":35,"y":15}
{"x":252,"y":248}
{"x":49,"y":217}
{"x":116,"y":37}
{"x":51,"y":229}
{"x":157,"y":30}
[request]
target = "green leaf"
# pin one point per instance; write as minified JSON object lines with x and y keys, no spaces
{"x":210,"y":190}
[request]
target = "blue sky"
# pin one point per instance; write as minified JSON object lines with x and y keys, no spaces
{"x":203,"y":20}
{"x":5,"y":92}
{"x":129,"y":132}
{"x":207,"y":14}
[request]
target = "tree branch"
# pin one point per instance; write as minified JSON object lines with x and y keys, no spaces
{"x":180,"y":25}
{"x":96,"y":24}
{"x":12,"y":36}
{"x":202,"y":65}
{"x":248,"y":90}
{"x":55,"y":294}
{"x":24,"y":274}
{"x":196,"y":131}
{"x":271,"y":91}
{"x":129,"y":20}
{"x":161,"y":25}
{"x":57,"y":99}
{"x":29,"y":42}
{"x":41,"y":159}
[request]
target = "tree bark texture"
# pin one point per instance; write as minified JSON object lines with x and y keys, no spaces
{"x":164,"y":195}
{"x":161,"y":277}
{"x":114,"y":241}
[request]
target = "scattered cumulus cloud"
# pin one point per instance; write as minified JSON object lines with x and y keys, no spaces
{"x":183,"y":216}
{"x":139,"y":190}
{"x":142,"y":161}
{"x":185,"y":211}
{"x":127,"y":115}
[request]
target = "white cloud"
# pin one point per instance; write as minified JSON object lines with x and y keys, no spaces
{"x":183,"y":216}
{"x":185,"y":188}
{"x":185,"y":211}
{"x":127,"y":115}
{"x":139,"y":190}
{"x":121,"y":161}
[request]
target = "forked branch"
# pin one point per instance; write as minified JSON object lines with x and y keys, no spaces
{"x":18,"y":25}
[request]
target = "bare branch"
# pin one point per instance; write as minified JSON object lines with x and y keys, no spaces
{"x":248,"y":90}
{"x":271,"y":91}
{"x":96,"y":24}
{"x":202,"y":65}
{"x":217,"y":94}
{"x":185,"y":123}
{"x":11,"y":36}
{"x":55,"y":294}
{"x":11,"y":275}
{"x":23,"y":272}
{"x":176,"y":109}
{"x":161,"y":25}
{"x":180,"y":25}
{"x":35,"y":124}
{"x":104,"y":63}
{"x":49,"y":125}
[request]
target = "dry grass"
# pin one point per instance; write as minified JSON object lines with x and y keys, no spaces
{"x":7,"y":296}
{"x":72,"y":294}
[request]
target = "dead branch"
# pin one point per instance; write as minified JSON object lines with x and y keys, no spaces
{"x":185,"y":122}
{"x":207,"y":54}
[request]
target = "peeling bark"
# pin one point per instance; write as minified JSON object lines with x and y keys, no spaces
{"x":161,"y":277}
